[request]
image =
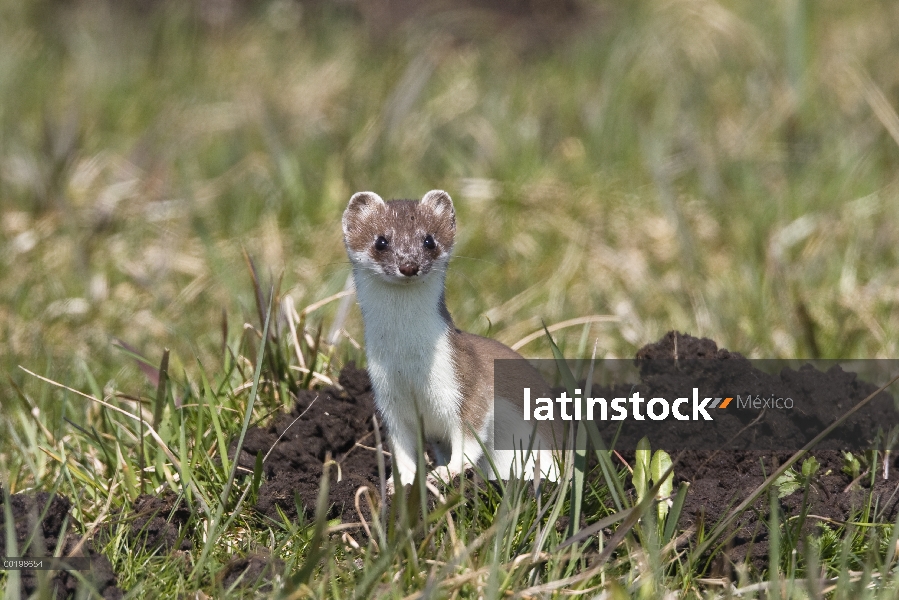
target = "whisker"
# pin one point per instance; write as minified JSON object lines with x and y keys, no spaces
{"x":489,"y":262}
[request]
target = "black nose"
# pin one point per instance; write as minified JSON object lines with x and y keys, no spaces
{"x":409,"y":269}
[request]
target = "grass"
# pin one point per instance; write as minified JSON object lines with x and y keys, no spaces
{"x":721,"y":169}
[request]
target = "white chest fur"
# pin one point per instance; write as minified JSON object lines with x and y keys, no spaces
{"x":409,"y":355}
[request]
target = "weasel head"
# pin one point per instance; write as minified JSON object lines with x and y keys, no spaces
{"x":402,"y":241}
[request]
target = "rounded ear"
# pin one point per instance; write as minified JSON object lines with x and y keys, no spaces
{"x":360,"y":204}
{"x":439,"y":201}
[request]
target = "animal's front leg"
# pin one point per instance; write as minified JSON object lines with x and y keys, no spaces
{"x":402,"y":443}
{"x":466,"y":452}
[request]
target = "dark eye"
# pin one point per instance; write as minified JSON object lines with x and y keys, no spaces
{"x":381,"y":243}
{"x":430,"y":244}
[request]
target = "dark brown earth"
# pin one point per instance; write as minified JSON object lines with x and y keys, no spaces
{"x":256,"y":570}
{"x":157,"y":522}
{"x":727,"y":473}
{"x":817,"y":393}
{"x":718,"y":480}
{"x":336,"y":424}
{"x":45,"y":519}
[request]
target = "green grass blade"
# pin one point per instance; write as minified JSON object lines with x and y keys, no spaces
{"x":580,"y":451}
{"x":674,"y":514}
{"x":213,"y":532}
{"x":13,"y":577}
{"x":208,"y":400}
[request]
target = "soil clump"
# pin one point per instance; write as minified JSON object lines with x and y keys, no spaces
{"x":330,"y":422}
{"x":158,"y":522}
{"x":254,"y":571}
{"x":719,"y":480}
{"x":42,"y":521}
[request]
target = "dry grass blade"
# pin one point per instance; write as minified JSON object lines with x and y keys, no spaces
{"x":460,"y":554}
{"x":325,"y":301}
{"x":878,"y":102}
{"x":343,"y":312}
{"x":111,"y":407}
{"x":290,"y":312}
{"x":286,"y":429}
{"x":97,"y":522}
{"x":362,"y":520}
{"x":557,"y":326}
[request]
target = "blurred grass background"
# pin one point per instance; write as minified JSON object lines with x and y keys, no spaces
{"x":728,"y":169}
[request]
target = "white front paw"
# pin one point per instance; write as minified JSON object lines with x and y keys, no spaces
{"x":442,"y":475}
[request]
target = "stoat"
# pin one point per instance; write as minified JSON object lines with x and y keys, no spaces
{"x":424,"y":371}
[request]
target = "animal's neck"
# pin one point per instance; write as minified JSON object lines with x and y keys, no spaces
{"x":402,"y":316}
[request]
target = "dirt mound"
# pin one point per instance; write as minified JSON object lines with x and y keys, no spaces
{"x":339,"y":422}
{"x":157,"y":522}
{"x":335,"y":422}
{"x":816,"y":395}
{"x":44,"y":519}
{"x":719,"y":480}
{"x":251,"y":571}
